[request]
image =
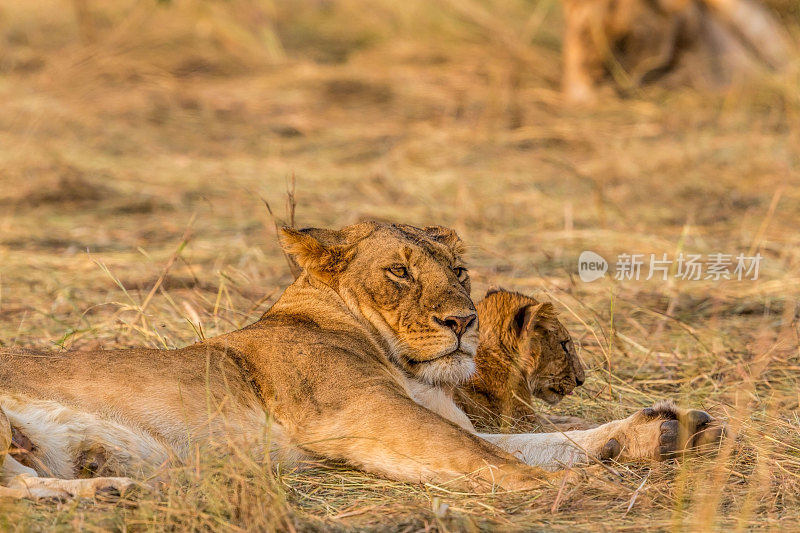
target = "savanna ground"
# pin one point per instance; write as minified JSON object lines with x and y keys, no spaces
{"x":137,"y":142}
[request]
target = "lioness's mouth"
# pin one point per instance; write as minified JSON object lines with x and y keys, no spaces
{"x":437,"y":358}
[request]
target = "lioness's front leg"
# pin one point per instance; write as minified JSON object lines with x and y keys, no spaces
{"x":393,"y":436}
{"x":655,"y":433}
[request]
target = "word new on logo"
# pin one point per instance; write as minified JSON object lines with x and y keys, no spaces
{"x":591,"y":266}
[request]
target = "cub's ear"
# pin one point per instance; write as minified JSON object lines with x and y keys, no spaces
{"x":319,"y":251}
{"x":446,"y":236}
{"x":493,"y":289}
{"x":528,"y":317}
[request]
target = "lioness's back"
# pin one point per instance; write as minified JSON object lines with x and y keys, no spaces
{"x":123,"y":384}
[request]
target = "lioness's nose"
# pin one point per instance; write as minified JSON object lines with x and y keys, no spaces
{"x":458,"y":324}
{"x":579,"y":380}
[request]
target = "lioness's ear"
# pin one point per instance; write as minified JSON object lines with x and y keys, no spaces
{"x":318,"y":251}
{"x":447,"y":237}
{"x":528,"y":317}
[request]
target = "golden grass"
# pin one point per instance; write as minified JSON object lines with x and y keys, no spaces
{"x":126,"y":126}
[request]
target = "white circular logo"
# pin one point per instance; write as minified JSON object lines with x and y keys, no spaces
{"x":591,"y":266}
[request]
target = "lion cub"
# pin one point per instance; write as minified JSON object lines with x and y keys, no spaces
{"x":524,"y":352}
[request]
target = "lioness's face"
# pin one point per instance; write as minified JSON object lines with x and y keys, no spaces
{"x":412,"y":286}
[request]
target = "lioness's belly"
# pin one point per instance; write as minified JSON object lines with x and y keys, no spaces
{"x":129,"y":412}
{"x":55,"y":439}
{"x":60,"y":441}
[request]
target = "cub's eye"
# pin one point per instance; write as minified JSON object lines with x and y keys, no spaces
{"x":459,"y":272}
{"x":398,"y":271}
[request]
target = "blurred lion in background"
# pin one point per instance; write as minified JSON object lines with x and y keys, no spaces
{"x":705,"y":43}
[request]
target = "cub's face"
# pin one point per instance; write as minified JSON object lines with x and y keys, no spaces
{"x":558,"y":369}
{"x":524,"y":352}
{"x":412,"y":287}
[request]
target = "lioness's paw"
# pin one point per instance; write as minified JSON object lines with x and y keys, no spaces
{"x":693,"y":430}
{"x":665,"y":431}
{"x":684,"y":430}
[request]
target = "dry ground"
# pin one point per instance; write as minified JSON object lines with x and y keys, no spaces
{"x":123,"y":128}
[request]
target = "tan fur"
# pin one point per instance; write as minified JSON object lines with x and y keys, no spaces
{"x":639,"y":41}
{"x":524,"y":352}
{"x":27,"y":486}
{"x":353,"y":363}
{"x":674,"y":431}
{"x":5,"y":438}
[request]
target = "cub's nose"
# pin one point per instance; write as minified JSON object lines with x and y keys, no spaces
{"x":458,"y":324}
{"x":579,"y":380}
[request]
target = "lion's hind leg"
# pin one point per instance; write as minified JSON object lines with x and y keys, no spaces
{"x":5,"y":448}
{"x":5,"y":438}
{"x":26,"y":486}
{"x":21,"y":482}
{"x":10,"y":469}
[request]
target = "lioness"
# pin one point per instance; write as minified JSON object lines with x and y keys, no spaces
{"x":352,"y":363}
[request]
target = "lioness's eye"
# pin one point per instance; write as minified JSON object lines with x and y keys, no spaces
{"x":399,"y":271}
{"x":460,"y":271}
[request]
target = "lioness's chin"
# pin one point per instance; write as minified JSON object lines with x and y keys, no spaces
{"x":452,"y":369}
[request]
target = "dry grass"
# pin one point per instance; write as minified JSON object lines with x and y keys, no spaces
{"x":123,"y":127}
